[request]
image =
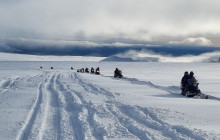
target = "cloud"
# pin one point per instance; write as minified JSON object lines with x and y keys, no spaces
{"x":141,"y":20}
{"x":64,"y":47}
{"x":201,"y":41}
{"x":149,"y":56}
{"x":94,"y":48}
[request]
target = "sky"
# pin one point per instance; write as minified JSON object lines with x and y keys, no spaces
{"x":89,"y":23}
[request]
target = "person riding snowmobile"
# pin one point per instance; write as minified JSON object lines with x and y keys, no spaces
{"x":193,"y":85}
{"x":97,"y":71}
{"x":118,"y":73}
{"x":87,"y":70}
{"x":184,"y":83}
{"x":92,"y":70}
{"x":189,"y":86}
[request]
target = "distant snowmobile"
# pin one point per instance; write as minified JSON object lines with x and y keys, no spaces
{"x":118,"y":73}
{"x":87,"y":70}
{"x":80,"y":70}
{"x":92,"y":70}
{"x":97,"y":71}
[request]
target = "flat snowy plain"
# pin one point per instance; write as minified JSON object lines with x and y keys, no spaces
{"x":60,"y":103}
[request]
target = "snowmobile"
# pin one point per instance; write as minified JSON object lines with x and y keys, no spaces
{"x":97,"y":71}
{"x":80,"y":70}
{"x":118,"y":74}
{"x":192,"y":91}
{"x":92,"y":70}
{"x":87,"y":70}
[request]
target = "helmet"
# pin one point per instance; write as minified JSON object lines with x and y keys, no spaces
{"x":191,"y":73}
{"x":186,"y":73}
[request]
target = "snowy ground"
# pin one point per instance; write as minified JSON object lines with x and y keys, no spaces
{"x":63,"y":104}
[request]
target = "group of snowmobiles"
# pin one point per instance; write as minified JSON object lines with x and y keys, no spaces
{"x":117,"y":72}
{"x":189,"y":86}
{"x":92,"y":70}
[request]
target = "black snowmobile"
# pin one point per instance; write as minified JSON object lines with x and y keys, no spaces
{"x":192,"y":91}
{"x":87,"y":70}
{"x":92,"y":70}
{"x":97,"y":71}
{"x":118,"y":73}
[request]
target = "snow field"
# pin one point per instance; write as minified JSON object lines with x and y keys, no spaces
{"x":63,"y":104}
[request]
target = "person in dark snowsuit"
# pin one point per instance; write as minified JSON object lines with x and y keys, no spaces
{"x":118,"y":73}
{"x":184,"y":83}
{"x":87,"y":70}
{"x":97,"y":71}
{"x":92,"y":70}
{"x":193,"y":85}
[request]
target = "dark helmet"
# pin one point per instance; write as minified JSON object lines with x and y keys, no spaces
{"x":191,"y":73}
{"x":186,"y":73}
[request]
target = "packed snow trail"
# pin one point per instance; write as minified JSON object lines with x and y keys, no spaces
{"x":66,"y":105}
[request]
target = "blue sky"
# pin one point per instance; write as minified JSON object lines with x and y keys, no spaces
{"x":118,"y":23}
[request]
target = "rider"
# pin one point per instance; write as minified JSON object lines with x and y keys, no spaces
{"x":118,"y":73}
{"x":193,"y":85}
{"x":92,"y":70}
{"x":184,"y":82}
{"x":87,"y":70}
{"x":97,"y":71}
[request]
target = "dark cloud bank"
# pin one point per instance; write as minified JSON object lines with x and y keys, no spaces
{"x":81,"y":48}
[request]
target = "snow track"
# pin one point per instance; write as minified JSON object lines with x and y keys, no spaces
{"x":25,"y":131}
{"x":67,"y":106}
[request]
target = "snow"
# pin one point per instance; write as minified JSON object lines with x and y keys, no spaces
{"x":60,"y":103}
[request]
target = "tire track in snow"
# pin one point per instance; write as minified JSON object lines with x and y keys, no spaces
{"x":130,"y":124}
{"x":170,"y":89}
{"x":150,"y":120}
{"x":50,"y":128}
{"x":7,"y":84}
{"x":95,"y":109}
{"x":146,"y":125}
{"x":72,"y":106}
{"x":92,"y":88}
{"x":26,"y":129}
{"x":138,"y":121}
{"x":10,"y":82}
{"x":90,"y":127}
{"x":132,"y":128}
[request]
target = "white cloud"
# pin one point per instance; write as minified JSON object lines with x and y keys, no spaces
{"x":148,"y":56}
{"x":101,"y":19}
{"x":201,"y":41}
